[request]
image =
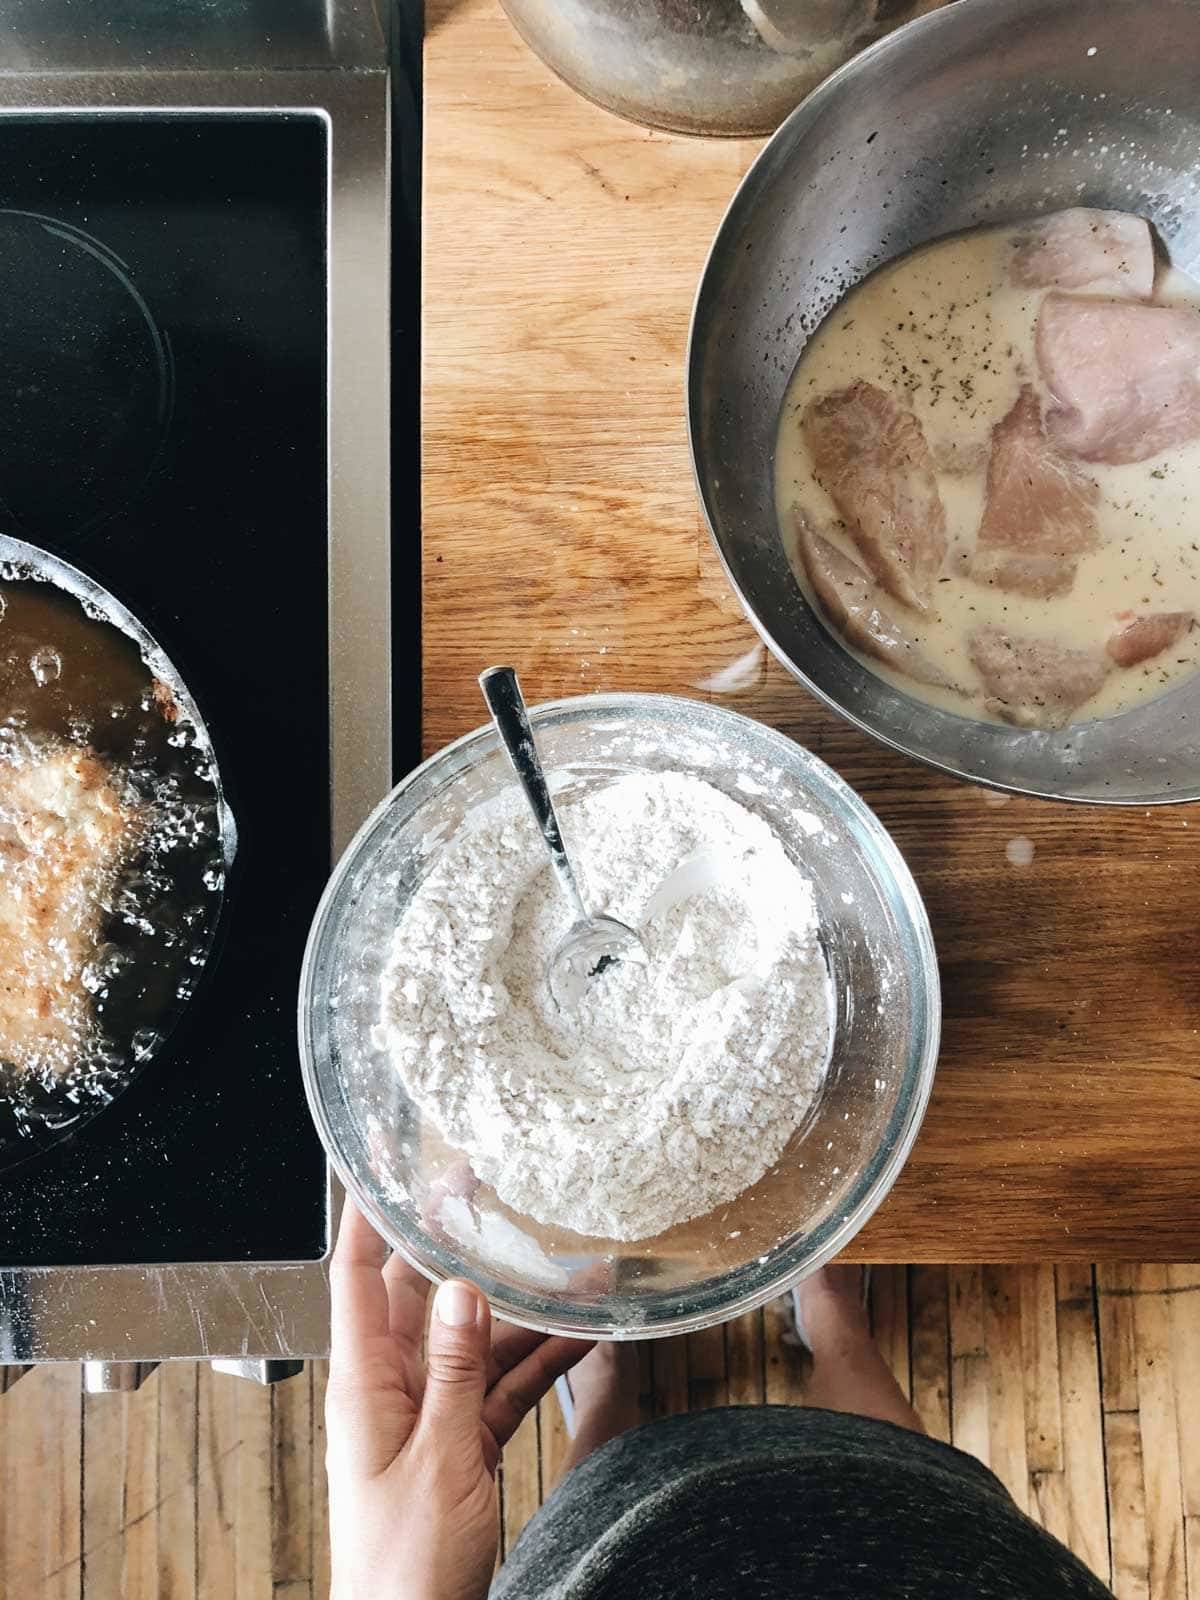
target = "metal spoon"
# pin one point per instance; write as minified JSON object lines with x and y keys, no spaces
{"x":591,"y":944}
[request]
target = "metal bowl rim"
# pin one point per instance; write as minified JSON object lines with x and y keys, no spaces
{"x":742,"y":198}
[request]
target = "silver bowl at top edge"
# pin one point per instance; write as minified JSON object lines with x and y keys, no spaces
{"x":983,"y":113}
{"x":704,"y":67}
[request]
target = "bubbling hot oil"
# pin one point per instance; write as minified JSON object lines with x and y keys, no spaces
{"x":71,"y":678}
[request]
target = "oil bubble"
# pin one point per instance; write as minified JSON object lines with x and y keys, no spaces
{"x":143,"y":1043}
{"x":46,"y":666}
{"x":108,"y":963}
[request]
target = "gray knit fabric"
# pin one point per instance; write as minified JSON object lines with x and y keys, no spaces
{"x":781,"y":1501}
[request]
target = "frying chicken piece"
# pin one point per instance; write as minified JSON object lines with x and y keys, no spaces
{"x":1140,"y":637}
{"x":857,"y":607}
{"x":871,"y":458}
{"x":164,"y":699}
{"x":1035,"y":682}
{"x":65,"y":834}
{"x":1039,"y":516}
{"x":1101,"y":252}
{"x":1125,"y":377}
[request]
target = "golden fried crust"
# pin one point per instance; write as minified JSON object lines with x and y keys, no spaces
{"x":65,"y":834}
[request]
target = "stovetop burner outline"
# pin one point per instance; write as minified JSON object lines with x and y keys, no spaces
{"x":263,"y":1306}
{"x":132,"y":481}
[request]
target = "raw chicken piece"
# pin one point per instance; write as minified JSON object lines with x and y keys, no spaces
{"x":1104,"y":252}
{"x":65,"y":833}
{"x":1125,"y":377}
{"x":1140,"y":637}
{"x":857,"y":607}
{"x":1033,"y":681}
{"x":871,"y":459}
{"x":1040,"y":513}
{"x":958,"y":455}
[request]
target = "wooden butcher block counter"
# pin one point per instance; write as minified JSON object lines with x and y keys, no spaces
{"x":562,"y":249}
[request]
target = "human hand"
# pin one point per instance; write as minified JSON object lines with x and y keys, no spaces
{"x":413,"y":1439}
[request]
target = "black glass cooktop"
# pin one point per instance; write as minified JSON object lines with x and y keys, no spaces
{"x":162,"y":426}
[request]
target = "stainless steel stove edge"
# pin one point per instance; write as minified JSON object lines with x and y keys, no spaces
{"x":199,"y":1311}
{"x":271,"y":1310}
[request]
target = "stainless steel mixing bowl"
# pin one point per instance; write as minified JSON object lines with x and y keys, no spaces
{"x":983,"y":113}
{"x":700,"y":66}
{"x":838,"y":1165}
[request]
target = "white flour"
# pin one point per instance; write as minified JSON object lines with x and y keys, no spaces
{"x":677,"y":1084}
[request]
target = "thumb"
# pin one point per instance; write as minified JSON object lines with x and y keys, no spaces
{"x":456,"y":1366}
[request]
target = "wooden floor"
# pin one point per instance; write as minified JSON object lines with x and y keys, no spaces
{"x":1079,"y":1387}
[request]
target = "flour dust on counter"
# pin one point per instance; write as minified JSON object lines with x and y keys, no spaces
{"x":988,"y":470}
{"x":674,"y":1085}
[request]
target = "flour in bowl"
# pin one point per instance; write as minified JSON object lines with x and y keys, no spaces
{"x":675,"y":1085}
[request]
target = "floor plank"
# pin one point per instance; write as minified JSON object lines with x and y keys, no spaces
{"x":1083,"y":1431}
{"x":645,"y":1355}
{"x":138,"y":1476}
{"x":670,"y":1357}
{"x":1044,"y":1445}
{"x":1127,"y":1499}
{"x":43,"y":1441}
{"x":1158,"y":1422}
{"x":555,"y":1443}
{"x":1081,"y":1389}
{"x":968,"y":1364}
{"x":105,"y":1418}
{"x":522,"y":1483}
{"x":786,"y":1367}
{"x":217,"y":1446}
{"x":929,"y":1315}
{"x":142,"y":1496}
{"x":707,"y":1373}
{"x":1039,"y":1359}
{"x":1184,"y":1306}
{"x":1191,"y":1545}
{"x":1005,"y":1378}
{"x":233,"y":1491}
{"x":889,"y":1321}
{"x":1050,"y":1505}
{"x":1118,"y":1349}
{"x":320,"y":1489}
{"x":744,"y":1356}
{"x":176,"y":1382}
{"x":291,"y":1483}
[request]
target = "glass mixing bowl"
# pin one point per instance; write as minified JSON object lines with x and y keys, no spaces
{"x":837,"y":1167}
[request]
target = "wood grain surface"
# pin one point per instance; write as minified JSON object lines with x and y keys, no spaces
{"x":562,"y":532}
{"x":203,"y":1485}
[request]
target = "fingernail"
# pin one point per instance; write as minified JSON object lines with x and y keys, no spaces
{"x":455,"y":1304}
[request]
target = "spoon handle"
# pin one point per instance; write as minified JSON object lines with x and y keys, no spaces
{"x":507,"y":705}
